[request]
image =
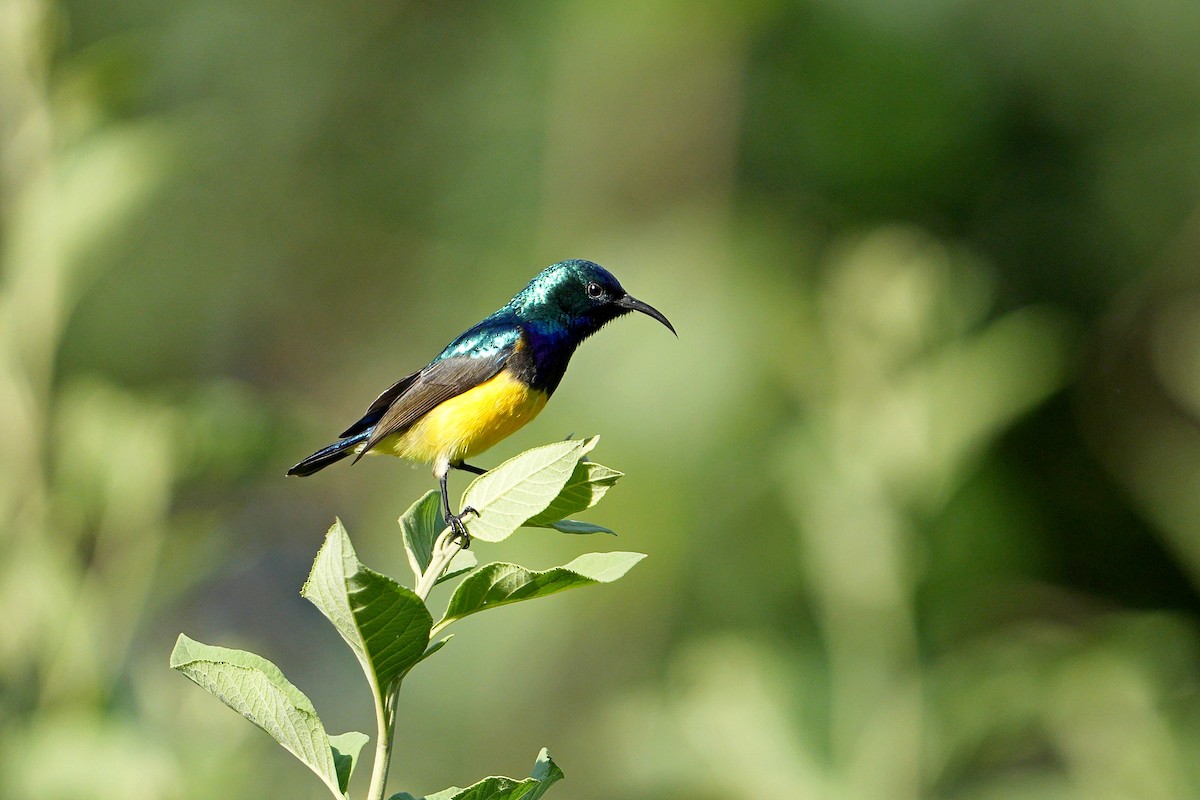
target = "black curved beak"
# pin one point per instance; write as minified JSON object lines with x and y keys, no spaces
{"x":633,"y":304}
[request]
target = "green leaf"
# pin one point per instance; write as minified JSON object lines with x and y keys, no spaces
{"x":463,"y":561}
{"x":433,"y":648}
{"x":587,"y":484}
{"x":256,"y":689}
{"x":495,"y":788}
{"x":346,"y":747}
{"x":579,"y":527}
{"x":420,"y":527}
{"x":499,"y":584}
{"x":385,"y":624}
{"x":521,"y":488}
{"x":545,"y":774}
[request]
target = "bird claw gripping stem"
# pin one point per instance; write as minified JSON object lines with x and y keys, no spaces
{"x":458,"y":527}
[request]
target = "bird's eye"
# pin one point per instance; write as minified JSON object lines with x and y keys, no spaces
{"x":594,"y":290}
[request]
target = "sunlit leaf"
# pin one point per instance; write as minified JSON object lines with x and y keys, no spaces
{"x":420,"y":527}
{"x":385,"y":624}
{"x":521,"y":488}
{"x":499,"y":584}
{"x":587,"y":485}
{"x":545,"y":774}
{"x":256,"y":689}
{"x":346,"y":747}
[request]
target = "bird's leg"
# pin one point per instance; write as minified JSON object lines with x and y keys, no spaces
{"x":468,"y":468}
{"x":455,"y":521}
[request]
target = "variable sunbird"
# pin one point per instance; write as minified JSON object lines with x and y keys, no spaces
{"x":489,"y":381}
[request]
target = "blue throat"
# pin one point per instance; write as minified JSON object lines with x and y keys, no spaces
{"x":549,"y":347}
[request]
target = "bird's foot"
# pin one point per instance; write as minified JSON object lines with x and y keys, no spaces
{"x":458,"y":528}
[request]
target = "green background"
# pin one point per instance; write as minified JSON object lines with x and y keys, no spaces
{"x":919,"y":481}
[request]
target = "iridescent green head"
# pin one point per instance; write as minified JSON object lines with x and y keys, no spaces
{"x":579,"y":295}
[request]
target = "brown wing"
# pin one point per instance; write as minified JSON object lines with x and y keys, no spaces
{"x":380,"y":405}
{"x":428,"y":389}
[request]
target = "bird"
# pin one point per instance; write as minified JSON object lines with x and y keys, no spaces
{"x":489,"y":382}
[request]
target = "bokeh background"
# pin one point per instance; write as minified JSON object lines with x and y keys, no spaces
{"x":919,"y":480}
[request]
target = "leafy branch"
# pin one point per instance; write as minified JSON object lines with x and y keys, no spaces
{"x":390,"y":628}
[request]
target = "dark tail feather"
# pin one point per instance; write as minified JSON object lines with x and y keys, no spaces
{"x":328,"y":455}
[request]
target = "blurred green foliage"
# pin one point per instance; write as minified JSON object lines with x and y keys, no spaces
{"x":919,"y":478}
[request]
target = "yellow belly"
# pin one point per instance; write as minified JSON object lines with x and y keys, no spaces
{"x":469,"y":423}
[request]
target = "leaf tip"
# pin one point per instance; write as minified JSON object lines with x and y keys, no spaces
{"x":181,"y":651}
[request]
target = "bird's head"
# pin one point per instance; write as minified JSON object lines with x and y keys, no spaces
{"x":581,"y":296}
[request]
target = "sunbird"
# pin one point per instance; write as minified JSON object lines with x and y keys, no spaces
{"x":490,"y":381}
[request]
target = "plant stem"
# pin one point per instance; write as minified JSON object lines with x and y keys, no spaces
{"x":444,"y":550}
{"x":385,"y":718}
